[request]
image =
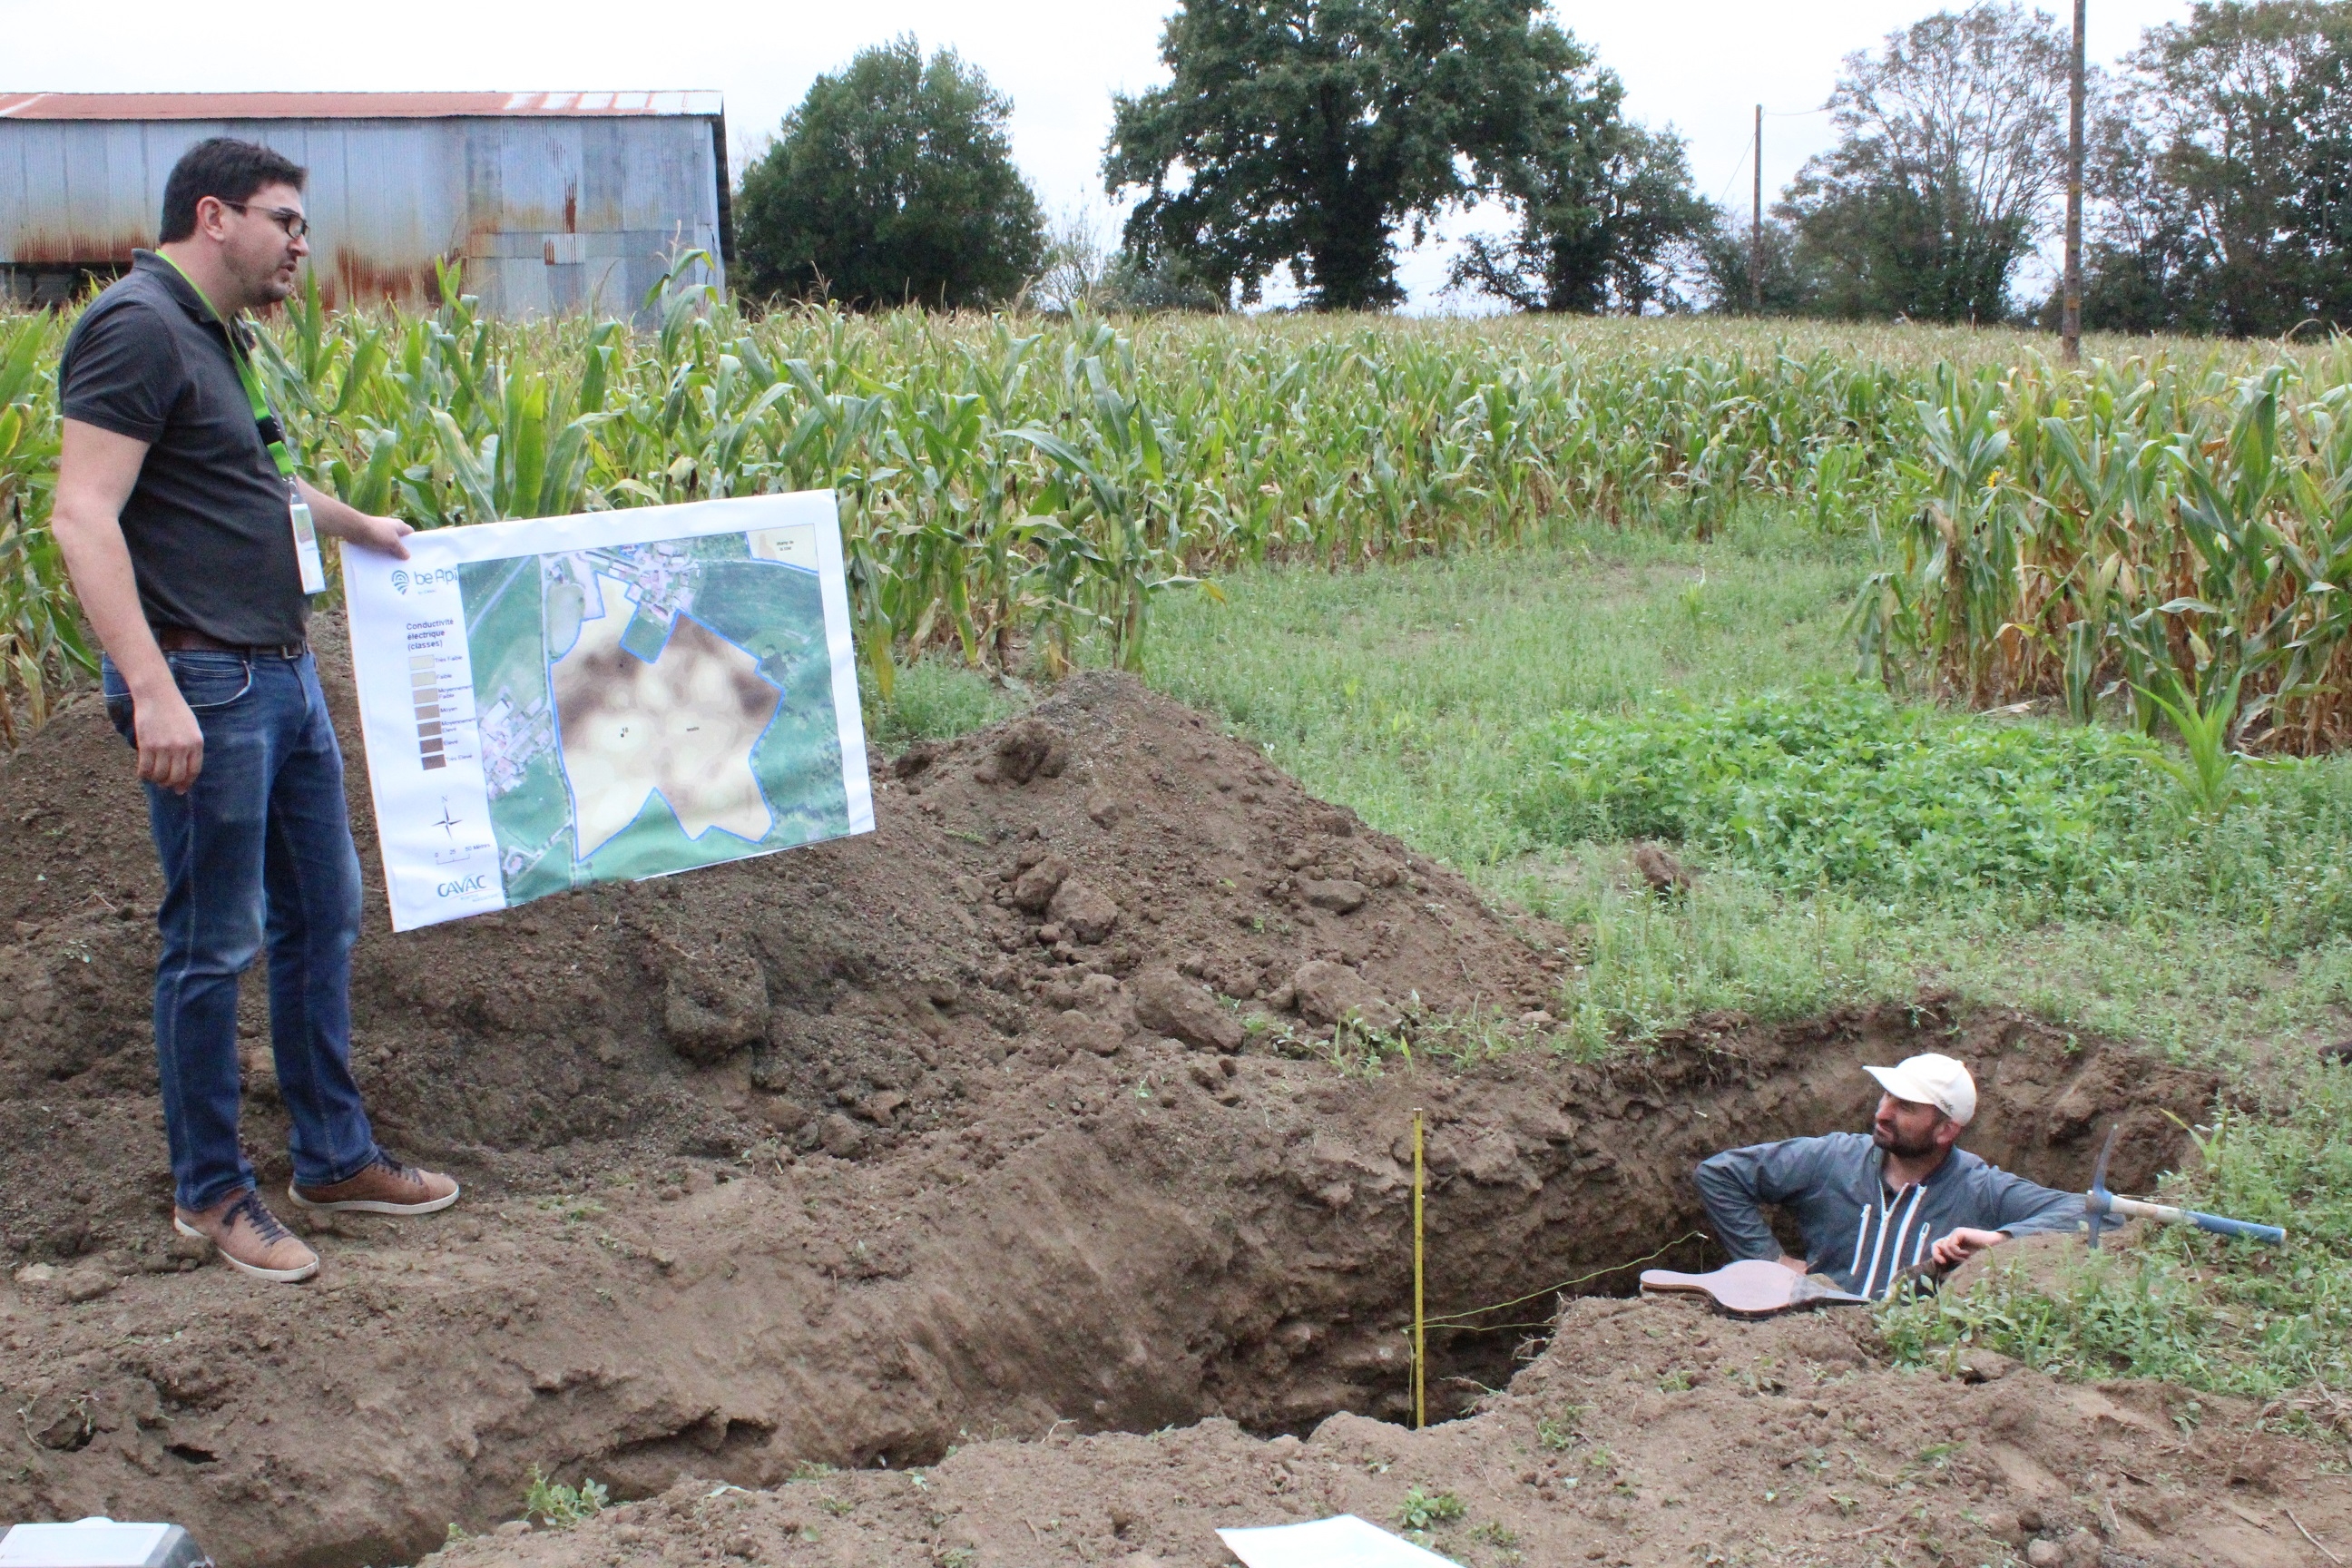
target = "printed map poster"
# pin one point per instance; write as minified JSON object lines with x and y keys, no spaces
{"x":556,"y":701}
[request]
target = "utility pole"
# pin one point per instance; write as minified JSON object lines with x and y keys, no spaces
{"x":1756,"y":224}
{"x":2070,"y":320}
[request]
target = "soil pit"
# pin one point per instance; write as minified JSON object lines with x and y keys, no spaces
{"x":1017,"y":1117}
{"x":1649,"y":1432}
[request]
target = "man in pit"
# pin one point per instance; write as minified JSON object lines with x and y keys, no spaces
{"x":1873,"y":1208}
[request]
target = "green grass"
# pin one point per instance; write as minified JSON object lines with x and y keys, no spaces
{"x":935,"y":700}
{"x":1431,"y":698}
{"x":1398,"y":690}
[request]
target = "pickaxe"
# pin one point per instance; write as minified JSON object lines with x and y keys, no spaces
{"x":2103,"y":1208}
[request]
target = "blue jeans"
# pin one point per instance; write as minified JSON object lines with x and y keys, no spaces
{"x":260,"y":845}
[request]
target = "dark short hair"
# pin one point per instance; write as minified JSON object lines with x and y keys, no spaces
{"x":224,"y":167}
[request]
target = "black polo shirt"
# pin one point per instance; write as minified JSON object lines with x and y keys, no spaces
{"x":212,"y":543}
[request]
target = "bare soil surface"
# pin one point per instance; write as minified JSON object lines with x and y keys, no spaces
{"x":1016,"y":1120}
{"x":1648,"y":1431}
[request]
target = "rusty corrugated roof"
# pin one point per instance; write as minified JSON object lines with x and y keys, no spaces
{"x":345,"y":105}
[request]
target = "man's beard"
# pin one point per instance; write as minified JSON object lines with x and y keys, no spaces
{"x":1893,"y":1143}
{"x":272,"y":286}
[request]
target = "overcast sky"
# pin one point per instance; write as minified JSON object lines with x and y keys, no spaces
{"x":1702,"y":65}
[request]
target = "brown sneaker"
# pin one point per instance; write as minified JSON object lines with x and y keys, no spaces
{"x":386,"y":1187}
{"x":250,"y":1237}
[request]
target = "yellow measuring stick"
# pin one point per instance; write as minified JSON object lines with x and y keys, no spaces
{"x":1420,"y":1362}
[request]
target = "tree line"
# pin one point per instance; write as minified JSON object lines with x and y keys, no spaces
{"x":1311,"y":140}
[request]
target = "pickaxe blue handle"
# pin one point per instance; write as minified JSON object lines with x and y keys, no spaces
{"x":2165,"y":1213}
{"x":2103,"y":1208}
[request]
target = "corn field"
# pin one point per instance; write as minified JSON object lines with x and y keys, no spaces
{"x":1022,"y":487}
{"x":2178,"y":536}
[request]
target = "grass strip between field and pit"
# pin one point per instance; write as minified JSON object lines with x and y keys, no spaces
{"x":1526,"y":714}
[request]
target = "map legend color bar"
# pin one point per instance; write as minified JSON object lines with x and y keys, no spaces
{"x":425,"y":689}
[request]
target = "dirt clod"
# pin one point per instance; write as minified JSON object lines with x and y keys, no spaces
{"x":842,"y":1138}
{"x":1083,"y":910}
{"x":1168,"y":1004}
{"x":1028,"y":749}
{"x":1658,"y":866}
{"x":1339,"y":896}
{"x":87,"y":1283}
{"x":1327,"y":993}
{"x":715,"y":1002}
{"x":1034,"y":889}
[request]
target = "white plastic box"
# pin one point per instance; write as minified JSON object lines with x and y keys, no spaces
{"x":100,"y":1543}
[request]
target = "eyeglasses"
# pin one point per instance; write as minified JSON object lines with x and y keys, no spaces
{"x":295,"y":224}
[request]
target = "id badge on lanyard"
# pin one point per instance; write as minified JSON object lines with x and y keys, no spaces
{"x":306,"y":543}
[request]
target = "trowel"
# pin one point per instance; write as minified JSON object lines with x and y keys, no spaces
{"x":1751,"y":1288}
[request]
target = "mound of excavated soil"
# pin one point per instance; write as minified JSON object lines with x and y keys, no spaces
{"x":1017,"y":1115}
{"x":1649,"y":1432}
{"x":848,"y":997}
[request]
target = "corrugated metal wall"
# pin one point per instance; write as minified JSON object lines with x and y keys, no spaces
{"x":548,"y":213}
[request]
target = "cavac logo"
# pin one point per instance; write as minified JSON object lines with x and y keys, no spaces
{"x":474,"y":884}
{"x":400,"y":582}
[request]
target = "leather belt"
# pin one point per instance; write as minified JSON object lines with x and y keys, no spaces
{"x":182,"y":639}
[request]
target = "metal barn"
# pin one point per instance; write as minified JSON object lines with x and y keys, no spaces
{"x":553,"y":202}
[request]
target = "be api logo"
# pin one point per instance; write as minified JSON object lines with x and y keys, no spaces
{"x":424,"y":579}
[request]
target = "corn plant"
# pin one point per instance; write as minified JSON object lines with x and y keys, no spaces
{"x":2209,"y":779}
{"x":42,"y":641}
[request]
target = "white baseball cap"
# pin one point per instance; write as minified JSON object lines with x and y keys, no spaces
{"x":1931,"y":1079}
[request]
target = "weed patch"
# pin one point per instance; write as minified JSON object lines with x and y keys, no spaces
{"x":1423,"y":1511}
{"x":559,"y":1507}
{"x":1840,"y":787}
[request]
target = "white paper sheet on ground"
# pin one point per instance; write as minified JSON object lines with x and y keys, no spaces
{"x":1345,"y":1542}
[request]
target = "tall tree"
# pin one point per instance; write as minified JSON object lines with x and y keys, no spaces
{"x":2226,"y":179}
{"x":1725,"y":259}
{"x":892,"y":182}
{"x":1951,"y":144}
{"x":1606,"y":210}
{"x":1306,"y":134}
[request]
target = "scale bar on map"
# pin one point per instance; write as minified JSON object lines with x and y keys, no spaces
{"x":425,"y":696}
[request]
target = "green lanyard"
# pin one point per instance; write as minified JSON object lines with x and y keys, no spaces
{"x":273,"y":434}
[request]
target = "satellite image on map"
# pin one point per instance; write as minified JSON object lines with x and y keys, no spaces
{"x":651,"y":708}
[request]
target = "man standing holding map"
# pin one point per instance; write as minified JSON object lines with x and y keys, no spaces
{"x":190,"y":543}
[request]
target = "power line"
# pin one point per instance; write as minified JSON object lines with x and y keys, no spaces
{"x":1736,"y":170}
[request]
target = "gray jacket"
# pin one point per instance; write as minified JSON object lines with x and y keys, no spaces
{"x":1857,"y":1231}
